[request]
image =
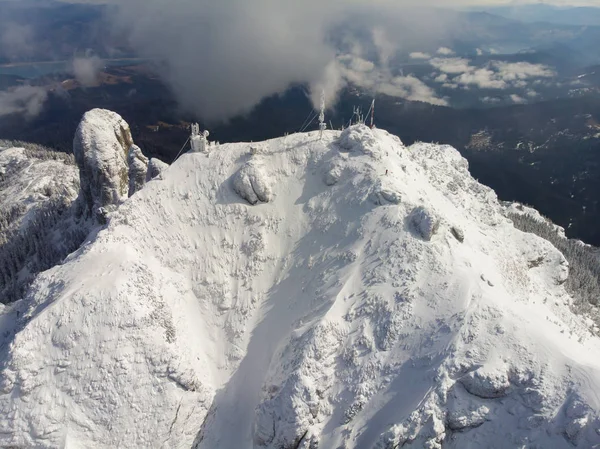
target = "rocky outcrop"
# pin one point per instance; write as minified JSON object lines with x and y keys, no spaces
{"x":101,"y":146}
{"x":155,"y":168}
{"x":138,"y":168}
{"x":252,"y":183}
{"x":424,"y":222}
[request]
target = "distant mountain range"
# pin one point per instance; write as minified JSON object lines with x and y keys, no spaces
{"x":545,"y":154}
{"x":540,"y":12}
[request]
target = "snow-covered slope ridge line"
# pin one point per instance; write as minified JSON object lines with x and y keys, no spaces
{"x":341,"y":310}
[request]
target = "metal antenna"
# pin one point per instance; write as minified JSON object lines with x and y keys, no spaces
{"x":372,"y":112}
{"x":322,"y":124}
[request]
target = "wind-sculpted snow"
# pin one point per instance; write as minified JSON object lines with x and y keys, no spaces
{"x":331,"y":315}
{"x":101,"y":147}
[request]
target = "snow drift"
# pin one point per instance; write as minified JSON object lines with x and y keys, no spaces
{"x":344,"y":292}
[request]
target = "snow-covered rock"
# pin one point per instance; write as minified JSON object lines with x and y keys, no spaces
{"x":424,"y":222}
{"x":252,"y":183}
{"x":320,"y":318}
{"x":101,"y":146}
{"x":138,"y":167}
{"x":155,"y":169}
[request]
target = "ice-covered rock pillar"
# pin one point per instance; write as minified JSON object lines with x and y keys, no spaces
{"x":101,"y":146}
{"x":138,"y":168}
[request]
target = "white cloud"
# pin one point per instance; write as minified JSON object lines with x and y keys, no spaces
{"x":351,"y":69}
{"x":481,"y":78}
{"x":445,"y":51}
{"x":511,"y":71}
{"x":220,"y":58}
{"x":411,"y":88}
{"x":86,"y":69}
{"x":479,"y":52}
{"x":494,"y":75}
{"x":25,"y":100}
{"x":419,"y":55}
{"x":517,"y":99}
{"x":358,"y":64}
{"x":451,"y":65}
{"x":385,"y":47}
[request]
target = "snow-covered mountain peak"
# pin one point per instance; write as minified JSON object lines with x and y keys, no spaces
{"x":298,"y":293}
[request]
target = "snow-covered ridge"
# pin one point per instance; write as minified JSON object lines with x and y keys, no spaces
{"x":37,"y":189}
{"x":48,"y":207}
{"x":374,"y":296}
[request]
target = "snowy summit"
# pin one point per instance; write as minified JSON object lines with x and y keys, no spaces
{"x":344,"y":292}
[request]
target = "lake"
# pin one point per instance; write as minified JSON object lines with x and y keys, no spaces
{"x":32,"y":70}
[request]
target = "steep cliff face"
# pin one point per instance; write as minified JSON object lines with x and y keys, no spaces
{"x":101,"y":147}
{"x":321,"y":293}
{"x":138,"y":169}
{"x":155,"y":168}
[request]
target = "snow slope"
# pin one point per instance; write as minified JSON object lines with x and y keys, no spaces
{"x":346,"y":308}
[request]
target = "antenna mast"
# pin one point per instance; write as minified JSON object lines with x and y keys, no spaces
{"x":372,"y":112}
{"x":322,"y":124}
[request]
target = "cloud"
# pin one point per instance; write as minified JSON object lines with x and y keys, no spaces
{"x":357,"y":63}
{"x":16,"y":40}
{"x":445,"y":51}
{"x":481,"y":78}
{"x":511,"y":71}
{"x":385,"y":47}
{"x":25,"y":100}
{"x":411,"y":88}
{"x":451,"y":65}
{"x":493,"y":75}
{"x":419,"y":55}
{"x":86,"y":69}
{"x":517,"y":99}
{"x":220,"y":58}
{"x":380,"y":80}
